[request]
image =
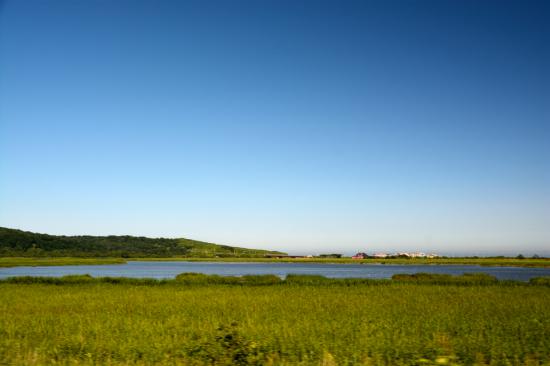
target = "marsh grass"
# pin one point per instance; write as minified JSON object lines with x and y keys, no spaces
{"x":261,"y":320}
{"x":201,"y":279}
{"x":540,"y":281}
{"x":446,"y":279}
{"x":192,"y":278}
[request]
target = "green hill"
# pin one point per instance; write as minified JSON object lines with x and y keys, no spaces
{"x":27,"y":244}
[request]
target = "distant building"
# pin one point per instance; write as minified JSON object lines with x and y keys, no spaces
{"x":360,"y":256}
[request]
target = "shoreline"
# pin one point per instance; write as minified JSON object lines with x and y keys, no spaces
{"x":6,"y":262}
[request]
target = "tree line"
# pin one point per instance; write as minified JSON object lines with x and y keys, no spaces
{"x":27,"y":244}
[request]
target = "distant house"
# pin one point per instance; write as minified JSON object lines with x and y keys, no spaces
{"x":360,"y":256}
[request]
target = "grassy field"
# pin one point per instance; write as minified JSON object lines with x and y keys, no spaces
{"x":58,"y":261}
{"x":196,"y":320}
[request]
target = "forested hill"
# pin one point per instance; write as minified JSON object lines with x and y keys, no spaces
{"x":27,"y":244}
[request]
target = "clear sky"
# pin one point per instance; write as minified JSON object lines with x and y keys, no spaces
{"x":303,"y":126}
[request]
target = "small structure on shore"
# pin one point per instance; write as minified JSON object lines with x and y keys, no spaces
{"x":360,"y":255}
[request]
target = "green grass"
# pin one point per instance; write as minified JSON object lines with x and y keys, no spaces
{"x":198,"y":319}
{"x":59,"y":261}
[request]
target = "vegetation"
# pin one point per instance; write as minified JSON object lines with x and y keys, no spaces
{"x":481,"y":261}
{"x":194,"y":278}
{"x":263,"y":320}
{"x":446,"y":279}
{"x":57,"y":261}
{"x":17,"y":243}
{"x":334,"y":255}
{"x":540,"y":281}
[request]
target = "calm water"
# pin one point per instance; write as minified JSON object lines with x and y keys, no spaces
{"x":171,"y":269}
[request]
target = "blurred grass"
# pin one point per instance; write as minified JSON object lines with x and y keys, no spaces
{"x":305,"y":320}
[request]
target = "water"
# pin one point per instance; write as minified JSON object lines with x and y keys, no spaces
{"x":171,"y":269}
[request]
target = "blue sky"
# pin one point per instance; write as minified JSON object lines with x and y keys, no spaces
{"x":304,"y":126}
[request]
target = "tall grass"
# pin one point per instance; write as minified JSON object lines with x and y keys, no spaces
{"x":300,"y":321}
{"x":443,"y":279}
{"x":193,"y":278}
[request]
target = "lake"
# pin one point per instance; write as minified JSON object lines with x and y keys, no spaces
{"x":161,"y":269}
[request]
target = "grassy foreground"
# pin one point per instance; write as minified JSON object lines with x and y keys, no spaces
{"x":198,"y":319}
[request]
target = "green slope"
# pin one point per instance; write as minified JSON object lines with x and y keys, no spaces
{"x":27,"y":244}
